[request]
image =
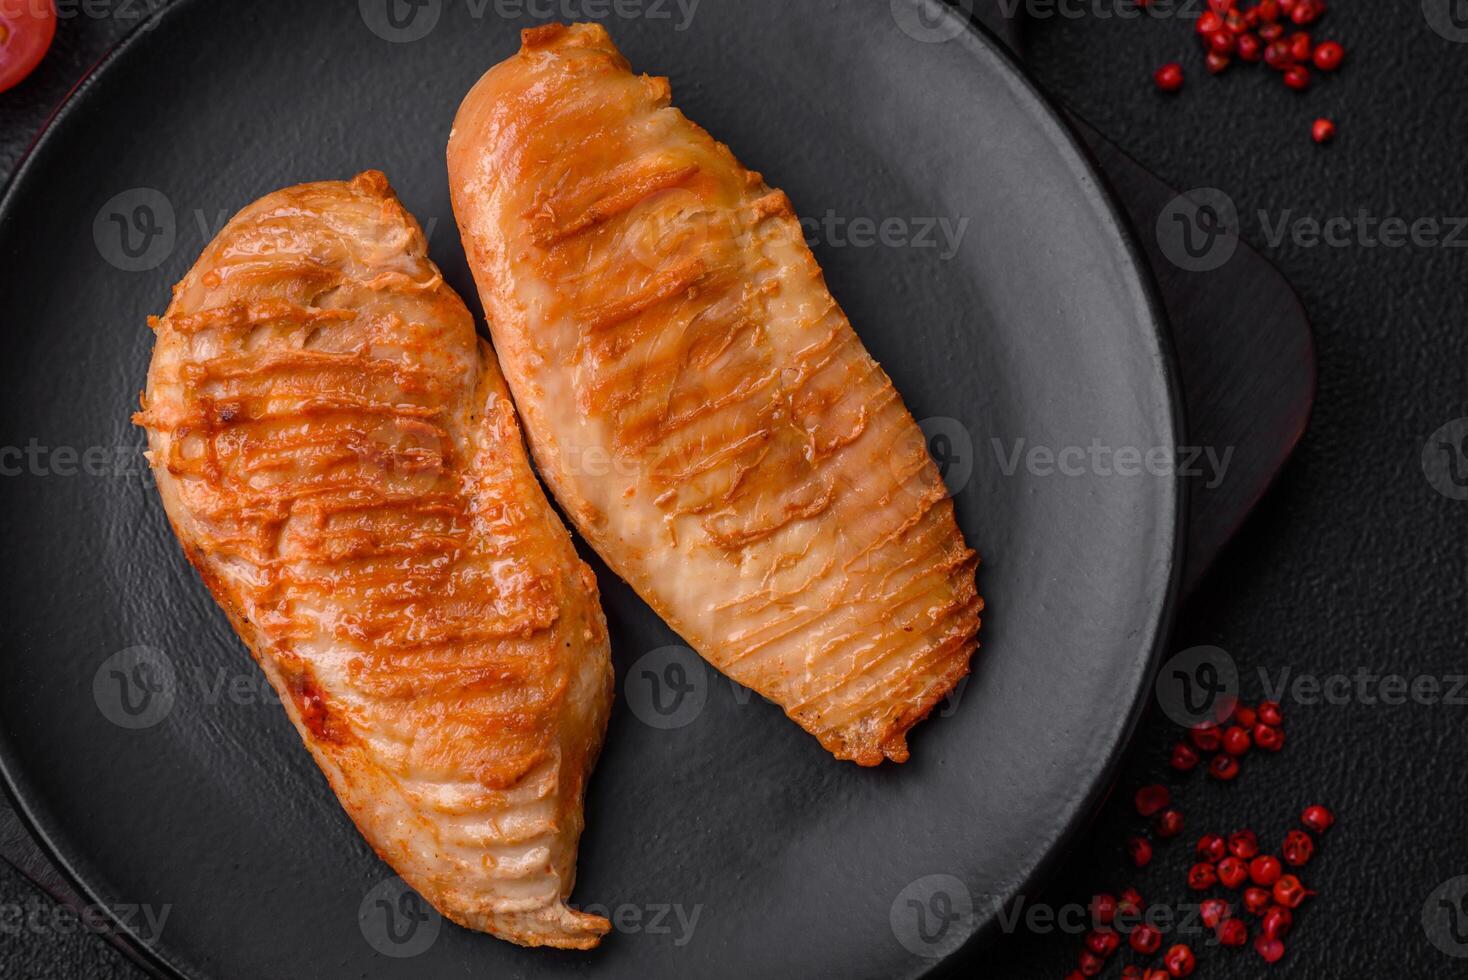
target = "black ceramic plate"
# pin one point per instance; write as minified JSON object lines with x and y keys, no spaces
{"x":721,"y":838}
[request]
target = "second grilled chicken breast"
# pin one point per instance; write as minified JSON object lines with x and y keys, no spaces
{"x":699,"y":404}
{"x":340,"y":460}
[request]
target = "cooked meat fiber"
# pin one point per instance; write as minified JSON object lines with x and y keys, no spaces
{"x":699,"y":404}
{"x":341,"y":462}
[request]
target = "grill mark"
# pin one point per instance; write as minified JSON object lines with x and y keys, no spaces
{"x":632,"y":184}
{"x":665,"y":286}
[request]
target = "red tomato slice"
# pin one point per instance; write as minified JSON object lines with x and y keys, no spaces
{"x":26,"y":30}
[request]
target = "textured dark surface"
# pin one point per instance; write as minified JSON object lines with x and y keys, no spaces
{"x":1012,"y":349}
{"x":1352,"y":560}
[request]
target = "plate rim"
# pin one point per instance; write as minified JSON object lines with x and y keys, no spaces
{"x":1051,"y":118}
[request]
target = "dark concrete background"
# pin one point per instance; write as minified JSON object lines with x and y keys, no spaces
{"x":1353,"y":561}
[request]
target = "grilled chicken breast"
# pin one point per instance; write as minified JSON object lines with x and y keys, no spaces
{"x":341,"y":462}
{"x":698,"y":403}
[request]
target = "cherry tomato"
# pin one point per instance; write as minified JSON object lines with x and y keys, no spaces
{"x":26,"y":30}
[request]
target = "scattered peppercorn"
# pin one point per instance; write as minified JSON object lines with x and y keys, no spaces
{"x":1180,"y":961}
{"x":1265,"y":870}
{"x":1145,"y":940}
{"x":1236,"y":741}
{"x":1205,"y":737}
{"x":1277,"y":922}
{"x":1297,"y":849}
{"x":1202,"y":877}
{"x":1169,"y":824}
{"x":1243,"y":844}
{"x":1169,"y":77}
{"x":1151,"y":800}
{"x":1184,"y":759}
{"x":1268,"y":738}
{"x":1232,"y":872}
{"x":1103,"y":942}
{"x":1213,"y":911}
{"x":1224,"y":768}
{"x":1328,"y":55}
{"x":1271,"y":949}
{"x":1212,"y":848}
{"x":1317,"y":818}
{"x":1233,"y":932}
{"x":1289,"y":893}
